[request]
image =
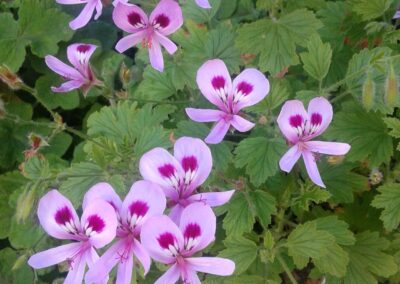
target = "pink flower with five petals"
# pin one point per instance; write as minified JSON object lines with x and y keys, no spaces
{"x":215,"y":83}
{"x":152,"y":31}
{"x":300,"y":127}
{"x":172,"y":245}
{"x":96,"y":228}
{"x":181,"y":174}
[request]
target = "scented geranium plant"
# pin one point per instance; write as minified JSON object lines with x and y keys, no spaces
{"x":199,"y":141}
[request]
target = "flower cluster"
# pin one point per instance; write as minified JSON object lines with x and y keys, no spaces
{"x":138,"y":224}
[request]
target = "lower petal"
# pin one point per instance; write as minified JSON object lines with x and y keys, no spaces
{"x":67,"y":87}
{"x":75,"y":274}
{"x":156,"y":57}
{"x":212,"y":265}
{"x":290,"y":158}
{"x":168,"y":44}
{"x":170,"y":276}
{"x":203,"y":4}
{"x":241,"y":124}
{"x":84,"y":16}
{"x":124,"y":273}
{"x":99,"y":9}
{"x":329,"y":148}
{"x":53,"y":256}
{"x":312,"y":169}
{"x":92,"y":259}
{"x":190,"y":276}
{"x":218,"y":132}
{"x":213,"y":198}
{"x":142,"y":256}
{"x":175,"y":213}
{"x":129,"y":41}
{"x":204,"y":115}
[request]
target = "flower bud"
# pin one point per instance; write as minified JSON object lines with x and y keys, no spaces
{"x":335,"y":160}
{"x":24,"y":204}
{"x":10,"y":78}
{"x":391,"y":88}
{"x":124,"y":74}
{"x":375,"y":177}
{"x":19,"y":262}
{"x":368,"y":93}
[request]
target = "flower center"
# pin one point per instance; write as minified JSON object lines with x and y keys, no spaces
{"x":305,"y":128}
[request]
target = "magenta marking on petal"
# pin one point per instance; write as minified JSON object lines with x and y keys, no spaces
{"x":134,"y":18}
{"x":296,"y":120}
{"x":316,"y":118}
{"x":167,"y":170}
{"x":189,"y":163}
{"x":83,"y":48}
{"x":218,"y":82}
{"x":161,"y":20}
{"x":192,"y":231}
{"x":96,"y":223}
{"x":63,"y":215}
{"x":166,"y":239}
{"x":138,"y":208}
{"x":245,"y":88}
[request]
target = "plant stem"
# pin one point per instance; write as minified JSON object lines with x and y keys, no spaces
{"x":33,"y":92}
{"x":286,"y":268}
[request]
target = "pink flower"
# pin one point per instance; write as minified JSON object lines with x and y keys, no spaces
{"x":79,"y":76}
{"x":144,"y":200}
{"x":168,"y":244}
{"x":397,"y":15}
{"x":181,"y":174}
{"x":203,"y":4}
{"x":299,"y":127}
{"x":86,"y":13}
{"x":214,"y":81}
{"x":152,"y":32}
{"x":58,"y":218}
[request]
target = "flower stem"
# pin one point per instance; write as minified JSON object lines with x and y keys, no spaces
{"x":33,"y":92}
{"x":286,"y":268}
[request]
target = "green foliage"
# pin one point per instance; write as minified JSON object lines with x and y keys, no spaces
{"x":389,"y":201}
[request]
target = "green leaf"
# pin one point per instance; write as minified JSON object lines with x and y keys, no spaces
{"x":334,"y":262}
{"x":242,"y":251}
{"x":240,"y":218}
{"x":365,"y":132}
{"x":22,"y":274}
{"x":316,"y":195}
{"x":264,"y":206}
{"x":37,"y":169}
{"x":394,"y":125}
{"x":192,"y":11}
{"x":337,"y":228}
{"x":275,"y":41}
{"x":260,"y":157}
{"x":318,"y":58}
{"x":371,"y":9}
{"x":367,"y":259}
{"x":156,"y":85}
{"x":25,"y":235}
{"x":389,"y":201}
{"x":306,"y":241}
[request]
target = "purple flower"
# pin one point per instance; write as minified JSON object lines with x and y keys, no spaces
{"x":168,"y":244}
{"x":299,"y":127}
{"x":181,"y":174}
{"x":96,"y":228}
{"x":152,"y":32}
{"x":203,"y":4}
{"x":86,"y":13}
{"x":214,"y":81}
{"x":144,"y":200}
{"x":397,"y":15}
{"x":80,"y":75}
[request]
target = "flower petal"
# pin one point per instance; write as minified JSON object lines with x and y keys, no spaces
{"x":291,"y":109}
{"x":142,"y":255}
{"x":176,"y":212}
{"x":84,"y":17}
{"x":241,"y":124}
{"x":204,"y":115}
{"x":312,"y":169}
{"x":157,"y":235}
{"x":212,"y":265}
{"x":203,"y":4}
{"x":129,"y":41}
{"x":99,"y":9}
{"x":321,"y":108}
{"x":196,"y":161}
{"x":171,"y":14}
{"x":290,"y":158}
{"x":129,"y":18}
{"x":171,"y":276}
{"x":198,"y":223}
{"x":124,"y":272}
{"x":103,"y":191}
{"x":77,"y":270}
{"x":190,"y":276}
{"x":57,"y":216}
{"x":69,"y":2}
{"x":67,"y":86}
{"x":168,"y":44}
{"x":159,"y":166}
{"x":61,"y":68}
{"x":330,"y":148}
{"x":156,"y":57}
{"x":99,"y":222}
{"x":150,"y":201}
{"x":212,"y":198}
{"x":92,"y":258}
{"x":79,"y":55}
{"x":218,"y":132}
{"x":249,"y":88}
{"x":214,"y":82}
{"x":54,"y":255}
